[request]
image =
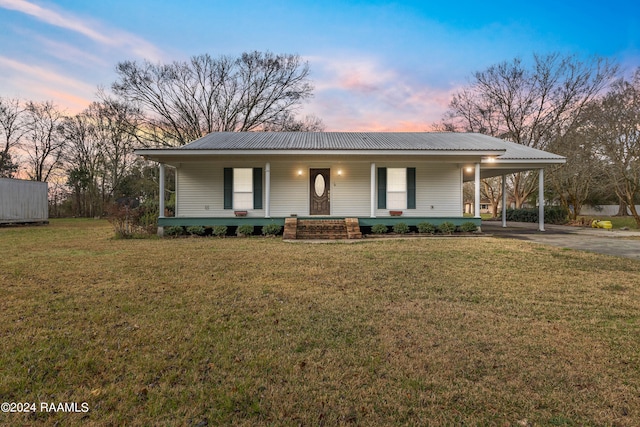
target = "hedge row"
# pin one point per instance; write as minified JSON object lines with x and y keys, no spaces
{"x":221,"y":230}
{"x":552,"y":215}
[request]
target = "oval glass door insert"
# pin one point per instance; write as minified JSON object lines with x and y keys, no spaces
{"x":319,"y":185}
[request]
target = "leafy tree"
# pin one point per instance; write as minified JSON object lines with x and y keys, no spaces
{"x":183,"y":101}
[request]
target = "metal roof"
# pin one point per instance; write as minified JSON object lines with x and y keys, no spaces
{"x":395,"y":141}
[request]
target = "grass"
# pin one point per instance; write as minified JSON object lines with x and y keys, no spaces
{"x":206,"y":331}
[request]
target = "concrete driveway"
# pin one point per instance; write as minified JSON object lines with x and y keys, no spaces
{"x":610,"y":242}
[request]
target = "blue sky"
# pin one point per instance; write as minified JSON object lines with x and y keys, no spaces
{"x":376,"y":65}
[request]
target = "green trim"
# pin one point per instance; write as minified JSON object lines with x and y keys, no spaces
{"x":382,"y":188}
{"x":411,"y":188}
{"x":257,"y":188}
{"x":363,"y":221}
{"x":228,"y":188}
{"x":367,"y":222}
{"x":206,"y":222}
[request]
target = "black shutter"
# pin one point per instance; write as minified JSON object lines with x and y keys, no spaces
{"x":382,"y":188}
{"x":228,"y":188}
{"x":411,"y":188}
{"x":257,"y":188}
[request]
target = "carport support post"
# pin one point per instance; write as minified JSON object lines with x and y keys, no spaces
{"x":476,"y":210}
{"x":541,"y":200}
{"x":267,"y":190}
{"x":373,"y":190}
{"x":161,"y":198}
{"x":504,"y":201}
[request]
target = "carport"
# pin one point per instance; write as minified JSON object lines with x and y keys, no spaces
{"x":516,"y":158}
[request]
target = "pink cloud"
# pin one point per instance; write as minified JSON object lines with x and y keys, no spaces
{"x":361,"y":94}
{"x":91,"y":29}
{"x":67,"y":92}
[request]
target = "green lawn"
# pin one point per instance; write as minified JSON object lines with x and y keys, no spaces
{"x":206,"y":331}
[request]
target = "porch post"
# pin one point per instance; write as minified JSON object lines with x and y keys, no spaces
{"x":477,"y":201}
{"x":541,"y":200}
{"x":373,"y":190}
{"x":161,"y":196}
{"x":504,"y":200}
{"x":267,"y":190}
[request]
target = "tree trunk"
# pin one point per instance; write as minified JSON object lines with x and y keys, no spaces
{"x":622,"y":208}
{"x":635,"y":214}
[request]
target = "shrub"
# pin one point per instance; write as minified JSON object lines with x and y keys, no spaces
{"x":195,"y":230}
{"x":245,"y":230}
{"x":148,"y":216}
{"x":173,"y":231}
{"x":447,"y":227}
{"x":379,"y":229}
{"x":552,"y":215}
{"x":219,"y":230}
{"x":132,"y":219}
{"x":401,"y":228}
{"x":425,"y":227}
{"x":272,"y":229}
{"x":125,"y":219}
{"x":469,"y":227}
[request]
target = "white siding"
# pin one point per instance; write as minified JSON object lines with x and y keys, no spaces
{"x":438,"y":185}
{"x":289,"y":191}
{"x":438,"y":190}
{"x":351,"y":192}
{"x":200,"y":188}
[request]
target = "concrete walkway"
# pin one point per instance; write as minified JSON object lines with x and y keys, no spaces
{"x":610,"y":242}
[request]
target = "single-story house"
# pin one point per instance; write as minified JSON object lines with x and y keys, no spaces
{"x":234,"y":178}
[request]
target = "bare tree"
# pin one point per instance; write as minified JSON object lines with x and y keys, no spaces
{"x":115,"y":127}
{"x":11,"y":130}
{"x":491,"y":189}
{"x":289,"y":123}
{"x":98,"y":153}
{"x":183,"y":101}
{"x":84,"y":164}
{"x":532,"y":106}
{"x":615,"y":123}
{"x":43,"y":139}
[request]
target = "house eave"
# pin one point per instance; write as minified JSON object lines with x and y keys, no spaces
{"x":159,"y":155}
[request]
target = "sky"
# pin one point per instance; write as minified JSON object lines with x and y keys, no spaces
{"x":375,"y":65}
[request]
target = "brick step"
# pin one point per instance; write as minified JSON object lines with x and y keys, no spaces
{"x":322,"y":236}
{"x":322,"y":229}
{"x":316,"y":228}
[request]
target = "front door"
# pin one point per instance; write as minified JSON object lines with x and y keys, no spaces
{"x":319,"y":190}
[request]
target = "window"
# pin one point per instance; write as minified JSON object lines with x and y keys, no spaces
{"x":396,"y":188}
{"x":243,"y":188}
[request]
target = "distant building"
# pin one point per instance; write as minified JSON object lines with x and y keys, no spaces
{"x":23,"y":202}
